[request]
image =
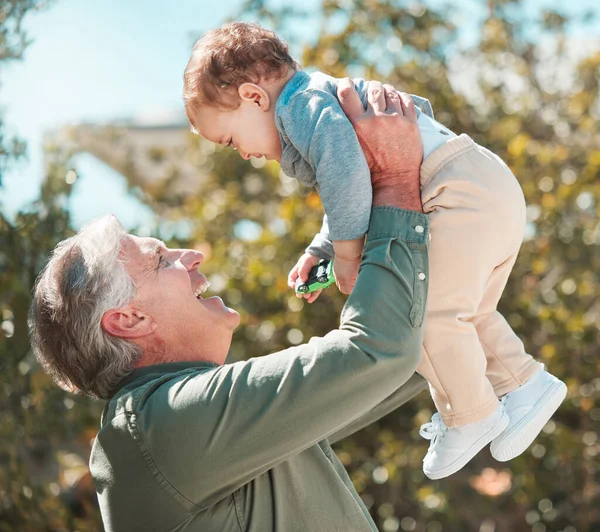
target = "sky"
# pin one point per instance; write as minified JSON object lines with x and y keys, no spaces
{"x":92,"y":61}
{"x":97,"y":61}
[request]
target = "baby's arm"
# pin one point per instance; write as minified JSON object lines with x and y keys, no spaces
{"x":318,"y":128}
{"x":348,"y":254}
{"x":321,"y":245}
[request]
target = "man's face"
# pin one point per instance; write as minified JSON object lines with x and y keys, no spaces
{"x":169,"y":287}
{"x":249,"y":129}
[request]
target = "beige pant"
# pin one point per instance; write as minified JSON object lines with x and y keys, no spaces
{"x":476,"y":209}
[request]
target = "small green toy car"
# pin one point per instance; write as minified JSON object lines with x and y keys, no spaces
{"x":321,"y":276}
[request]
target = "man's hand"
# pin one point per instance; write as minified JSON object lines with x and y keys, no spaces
{"x":389,"y":136}
{"x":302,"y":269}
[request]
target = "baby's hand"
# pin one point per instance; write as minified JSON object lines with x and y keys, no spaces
{"x":302,"y":268}
{"x":346,"y":273}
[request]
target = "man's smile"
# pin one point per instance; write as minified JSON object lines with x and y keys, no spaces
{"x":202,"y":287}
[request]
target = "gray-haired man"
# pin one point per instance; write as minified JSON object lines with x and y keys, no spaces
{"x":190,"y":443}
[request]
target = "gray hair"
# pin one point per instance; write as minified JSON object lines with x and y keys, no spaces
{"x":83,"y":279}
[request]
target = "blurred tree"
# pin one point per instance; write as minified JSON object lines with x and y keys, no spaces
{"x":522,"y":89}
{"x":13,"y":41}
{"x":44,"y":434}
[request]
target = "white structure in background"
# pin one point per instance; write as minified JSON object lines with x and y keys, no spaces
{"x":146,"y":155}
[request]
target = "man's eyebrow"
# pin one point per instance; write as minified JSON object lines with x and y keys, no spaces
{"x":152,"y":250}
{"x":158,"y":247}
{"x":155,"y":247}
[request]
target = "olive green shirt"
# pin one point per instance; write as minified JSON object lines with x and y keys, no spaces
{"x":194,"y":446}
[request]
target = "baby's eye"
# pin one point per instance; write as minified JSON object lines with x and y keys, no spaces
{"x":230,"y":145}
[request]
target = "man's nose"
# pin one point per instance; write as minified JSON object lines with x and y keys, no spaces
{"x":192,"y":259}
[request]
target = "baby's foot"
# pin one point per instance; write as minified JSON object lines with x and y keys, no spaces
{"x":529,"y":407}
{"x":452,"y":448}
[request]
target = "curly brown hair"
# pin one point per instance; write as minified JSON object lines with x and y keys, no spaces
{"x":225,"y":58}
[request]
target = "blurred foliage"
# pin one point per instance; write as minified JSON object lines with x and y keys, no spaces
{"x":44,"y":435}
{"x":523,"y":89}
{"x":13,"y":41}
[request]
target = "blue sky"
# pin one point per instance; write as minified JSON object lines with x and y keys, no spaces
{"x":102,"y":61}
{"x":93,"y":61}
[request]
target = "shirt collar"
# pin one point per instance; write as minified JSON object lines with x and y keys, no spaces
{"x":148,"y":373}
{"x":290,"y":88}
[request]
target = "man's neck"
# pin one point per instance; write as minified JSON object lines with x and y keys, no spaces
{"x":157,"y":352}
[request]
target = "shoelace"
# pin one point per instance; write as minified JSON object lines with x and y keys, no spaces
{"x":434,"y":429}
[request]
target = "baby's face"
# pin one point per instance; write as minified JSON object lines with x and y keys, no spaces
{"x":249,"y":129}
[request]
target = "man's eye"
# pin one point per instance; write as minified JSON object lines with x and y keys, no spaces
{"x":163,"y":262}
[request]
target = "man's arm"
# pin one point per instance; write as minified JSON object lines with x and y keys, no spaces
{"x":353,"y":108}
{"x":233,"y":423}
{"x":321,"y":246}
{"x":392,"y":164}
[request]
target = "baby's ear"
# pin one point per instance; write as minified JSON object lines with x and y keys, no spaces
{"x":255,"y":94}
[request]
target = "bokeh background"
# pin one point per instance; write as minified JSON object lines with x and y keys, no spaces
{"x":92,"y":122}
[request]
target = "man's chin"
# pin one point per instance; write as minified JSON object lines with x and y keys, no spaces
{"x":235,"y":317}
{"x":230,"y":313}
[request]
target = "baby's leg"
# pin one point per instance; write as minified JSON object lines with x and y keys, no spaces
{"x":453,"y":360}
{"x":471,"y":355}
{"x":530,"y":394}
{"x":477,"y":217}
{"x":508,"y":365}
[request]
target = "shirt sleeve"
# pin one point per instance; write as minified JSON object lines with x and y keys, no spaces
{"x":422,"y":104}
{"x":321,"y":246}
{"x":317,"y":127}
{"x":229,"y":424}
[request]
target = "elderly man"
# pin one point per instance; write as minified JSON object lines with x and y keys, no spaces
{"x":190,"y":443}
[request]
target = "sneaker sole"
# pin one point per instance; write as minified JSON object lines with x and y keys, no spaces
{"x":511,"y":444}
{"x":471,"y":451}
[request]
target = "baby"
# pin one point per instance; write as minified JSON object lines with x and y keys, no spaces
{"x":242,"y":89}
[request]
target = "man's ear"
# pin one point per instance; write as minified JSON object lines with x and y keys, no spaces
{"x":128,"y":323}
{"x":253,"y":93}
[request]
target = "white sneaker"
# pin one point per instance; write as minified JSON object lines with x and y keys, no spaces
{"x":452,"y":448}
{"x":529,"y":408}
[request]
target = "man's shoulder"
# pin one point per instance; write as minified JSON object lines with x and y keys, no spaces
{"x":155,"y":385}
{"x":152,"y":414}
{"x":148,"y":440}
